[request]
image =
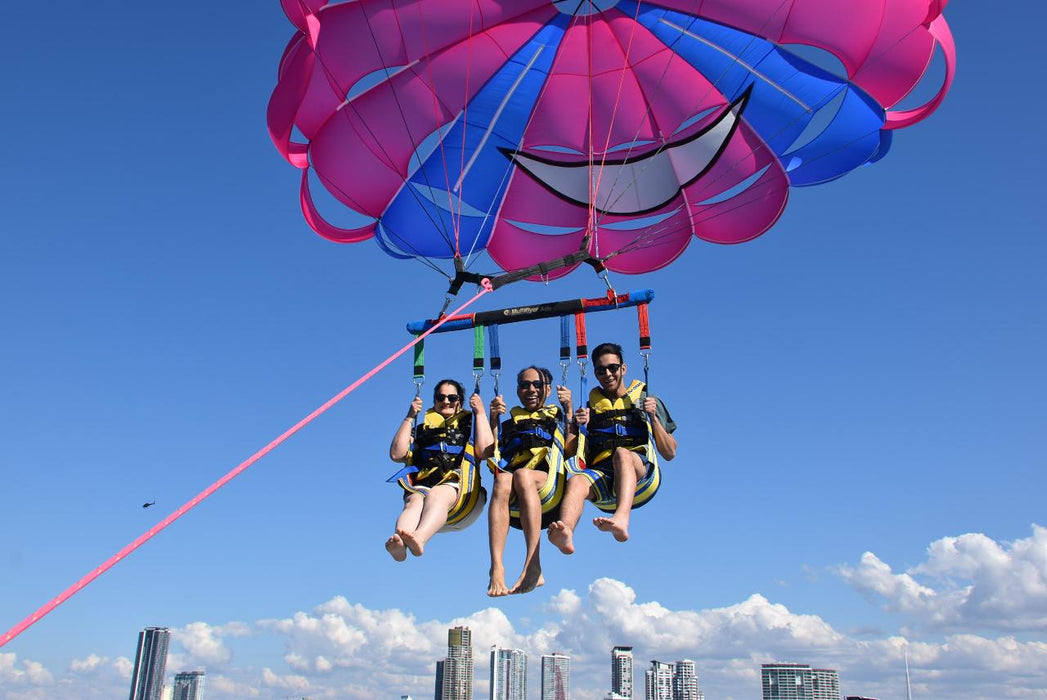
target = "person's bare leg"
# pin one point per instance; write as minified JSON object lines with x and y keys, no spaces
{"x":526,"y":483}
{"x":628,"y":469}
{"x":408,"y":519}
{"x":498,"y":531}
{"x":434,"y":516}
{"x":561,"y":532}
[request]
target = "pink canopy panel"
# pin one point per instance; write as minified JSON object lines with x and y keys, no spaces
{"x":529,"y":129}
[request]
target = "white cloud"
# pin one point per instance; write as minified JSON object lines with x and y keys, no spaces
{"x":203,"y":643}
{"x":124,"y":667}
{"x":968,"y":582}
{"x":341,"y":649}
{"x":92,"y":663}
{"x":26,"y":673}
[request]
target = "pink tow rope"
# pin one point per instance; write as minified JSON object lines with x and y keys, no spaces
{"x":142,"y":539}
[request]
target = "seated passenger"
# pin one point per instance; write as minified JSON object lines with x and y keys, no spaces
{"x":440,"y":482}
{"x":617,"y":464}
{"x":529,"y":474}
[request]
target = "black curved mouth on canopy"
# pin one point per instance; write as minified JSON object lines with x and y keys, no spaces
{"x":637,"y":184}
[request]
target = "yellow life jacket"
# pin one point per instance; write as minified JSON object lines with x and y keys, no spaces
{"x":439,"y":446}
{"x":614,"y":423}
{"x":533,"y":440}
{"x":528,"y":439}
{"x":442,"y":453}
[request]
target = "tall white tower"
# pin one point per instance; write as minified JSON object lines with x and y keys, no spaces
{"x":458,"y":667}
{"x":556,"y":677}
{"x":508,"y":674}
{"x":658,"y":681}
{"x":147,"y":678}
{"x":622,"y":672}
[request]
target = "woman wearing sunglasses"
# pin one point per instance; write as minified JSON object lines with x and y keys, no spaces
{"x":625,"y":432}
{"x":529,"y":473}
{"x":440,"y":482}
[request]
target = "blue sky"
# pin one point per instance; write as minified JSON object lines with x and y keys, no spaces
{"x":860,"y":395}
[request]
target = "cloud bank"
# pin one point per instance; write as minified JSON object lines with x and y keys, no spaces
{"x":978,"y":604}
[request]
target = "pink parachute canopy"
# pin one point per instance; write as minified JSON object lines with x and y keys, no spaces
{"x":529,"y":129}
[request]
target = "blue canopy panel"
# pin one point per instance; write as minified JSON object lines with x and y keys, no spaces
{"x":819,"y":125}
{"x":495,"y":118}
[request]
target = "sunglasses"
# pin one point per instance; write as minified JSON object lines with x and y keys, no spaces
{"x":528,"y":383}
{"x":449,"y":398}
{"x":607,"y":369}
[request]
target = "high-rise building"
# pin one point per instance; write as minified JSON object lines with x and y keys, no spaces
{"x":556,"y":677}
{"x":676,"y":681}
{"x":508,"y":674}
{"x":658,"y":681}
{"x":439,"y":694}
{"x":799,"y":681}
{"x":622,"y":672}
{"x":458,"y":667}
{"x":188,"y":685}
{"x":147,"y":678}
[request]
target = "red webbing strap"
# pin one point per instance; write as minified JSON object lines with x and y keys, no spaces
{"x":196,"y":500}
{"x":645,"y":327}
{"x":581,"y":347}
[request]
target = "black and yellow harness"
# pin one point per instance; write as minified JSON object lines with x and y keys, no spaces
{"x":533,"y":440}
{"x":442,"y":453}
{"x":615,"y":423}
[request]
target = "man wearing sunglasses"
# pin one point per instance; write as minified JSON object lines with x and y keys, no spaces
{"x":529,"y":473}
{"x":620,"y":430}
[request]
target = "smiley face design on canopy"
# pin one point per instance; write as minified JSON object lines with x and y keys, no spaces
{"x":444,"y":128}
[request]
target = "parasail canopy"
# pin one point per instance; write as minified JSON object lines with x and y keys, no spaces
{"x":531,"y":129}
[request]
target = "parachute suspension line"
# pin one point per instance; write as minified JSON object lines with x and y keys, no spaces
{"x":614,"y":114}
{"x":196,"y":500}
{"x":712,"y":86}
{"x":455,"y":219}
{"x":438,"y":225}
{"x":457,"y":215}
{"x":590,"y":226}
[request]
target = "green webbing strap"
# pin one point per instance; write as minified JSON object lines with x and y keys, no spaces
{"x":419,"y":363}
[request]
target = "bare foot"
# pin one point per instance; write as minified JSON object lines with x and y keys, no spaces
{"x":414,"y":546}
{"x":562,"y":537}
{"x":395,"y":546}
{"x":620,"y":531}
{"x":497,"y":588}
{"x":530,"y":579}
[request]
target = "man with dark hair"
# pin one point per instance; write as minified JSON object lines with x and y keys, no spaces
{"x":621,"y":430}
